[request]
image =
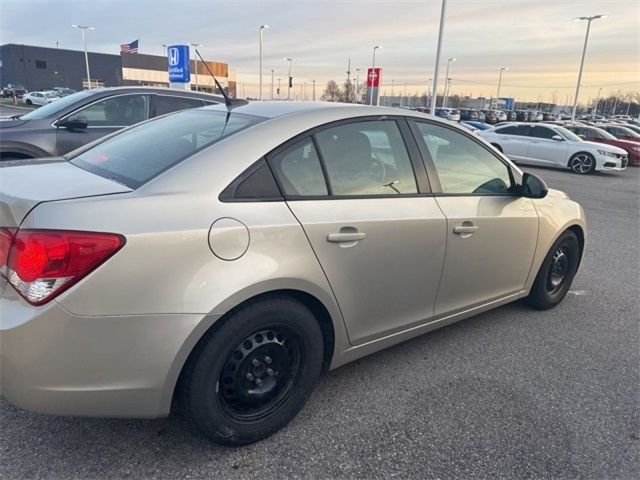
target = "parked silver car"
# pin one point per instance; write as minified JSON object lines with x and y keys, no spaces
{"x":223,"y":258}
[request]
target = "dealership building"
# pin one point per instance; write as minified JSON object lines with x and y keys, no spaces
{"x":42,"y":68}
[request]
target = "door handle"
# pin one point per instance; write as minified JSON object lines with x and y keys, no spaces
{"x":346,"y":237}
{"x":465,"y":229}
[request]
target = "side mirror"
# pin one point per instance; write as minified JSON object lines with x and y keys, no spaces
{"x":74,"y":123}
{"x":533,"y":186}
{"x":557,"y":138}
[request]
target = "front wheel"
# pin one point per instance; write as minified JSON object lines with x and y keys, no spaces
{"x":556,"y":272}
{"x":250,"y":376}
{"x":582,"y":163}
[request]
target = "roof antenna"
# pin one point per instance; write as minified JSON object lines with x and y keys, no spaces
{"x":229,"y":102}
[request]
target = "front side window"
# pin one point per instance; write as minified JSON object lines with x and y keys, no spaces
{"x":366,"y":158}
{"x":463,"y":165}
{"x":542,"y":132}
{"x":136,"y":155}
{"x":118,"y":111}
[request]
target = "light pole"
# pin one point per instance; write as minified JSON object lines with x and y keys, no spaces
{"x":357,"y":83}
{"x":290,"y":60}
{"x":429,"y":98}
{"x":195,"y":62}
{"x":584,"y":51}
{"x":164,"y":49}
{"x":435,"y":73}
{"x":502,"y":69}
{"x":314,"y":90}
{"x":373,"y":72}
{"x":272,"y":72}
{"x":262,"y":28}
{"x":84,"y":29}
{"x":597,"y":101}
{"x":446,"y":80}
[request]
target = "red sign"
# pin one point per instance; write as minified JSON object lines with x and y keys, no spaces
{"x":373,"y":77}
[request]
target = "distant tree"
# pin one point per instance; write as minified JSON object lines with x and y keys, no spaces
{"x":348,"y":93}
{"x":331,"y":93}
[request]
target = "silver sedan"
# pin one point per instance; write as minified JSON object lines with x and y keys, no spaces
{"x":222,"y":258}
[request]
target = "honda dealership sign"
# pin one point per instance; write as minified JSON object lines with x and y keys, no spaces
{"x":373,"y":85}
{"x":178,"y":63}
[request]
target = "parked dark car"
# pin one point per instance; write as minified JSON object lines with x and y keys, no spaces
{"x":468,"y":114}
{"x":511,"y":115}
{"x":13,"y":89}
{"x":490,"y":116}
{"x":73,"y":121}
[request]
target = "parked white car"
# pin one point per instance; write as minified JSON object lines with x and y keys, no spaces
{"x":39,"y":98}
{"x":554,"y":146}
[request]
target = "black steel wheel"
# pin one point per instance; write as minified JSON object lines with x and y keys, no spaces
{"x":253,"y":371}
{"x":556,"y":272}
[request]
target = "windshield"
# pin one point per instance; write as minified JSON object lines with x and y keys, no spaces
{"x":51,"y":109}
{"x":569,"y":135}
{"x":138,"y":154}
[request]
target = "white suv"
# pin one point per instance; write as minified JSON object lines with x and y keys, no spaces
{"x":554,"y":146}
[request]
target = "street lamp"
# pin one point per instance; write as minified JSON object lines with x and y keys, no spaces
{"x":84,"y":29}
{"x":290,"y":60}
{"x":373,"y":72}
{"x":435,"y":72}
{"x":502,"y":69}
{"x":429,"y":98}
{"x":262,"y":28}
{"x":584,"y":51}
{"x":357,"y":83}
{"x":272,"y":72}
{"x":195,"y":62}
{"x":447,"y":81}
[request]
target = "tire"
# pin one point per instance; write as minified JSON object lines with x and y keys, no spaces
{"x":29,"y":102}
{"x":222,"y":377}
{"x":556,"y":273}
{"x":497,"y":147}
{"x":582,"y":163}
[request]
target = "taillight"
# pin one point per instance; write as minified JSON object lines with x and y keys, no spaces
{"x":40,"y":264}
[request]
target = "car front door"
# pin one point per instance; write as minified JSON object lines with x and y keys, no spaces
{"x":544,"y":149}
{"x":491,"y":232}
{"x":365,"y":206}
{"x":103,"y":116}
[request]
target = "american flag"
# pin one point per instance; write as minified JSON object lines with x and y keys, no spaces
{"x":129,"y":47}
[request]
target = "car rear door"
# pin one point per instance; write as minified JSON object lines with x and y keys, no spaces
{"x":103,"y":117}
{"x":513,"y":140}
{"x":491,"y":232}
{"x":362,"y":196}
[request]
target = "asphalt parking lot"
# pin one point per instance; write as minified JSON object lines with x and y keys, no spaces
{"x":512,"y":393}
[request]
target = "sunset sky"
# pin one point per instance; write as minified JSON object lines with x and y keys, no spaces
{"x":537,"y":40}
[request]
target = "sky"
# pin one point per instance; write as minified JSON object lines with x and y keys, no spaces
{"x":536,"y":39}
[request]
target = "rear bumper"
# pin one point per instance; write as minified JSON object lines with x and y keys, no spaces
{"x":52,"y":361}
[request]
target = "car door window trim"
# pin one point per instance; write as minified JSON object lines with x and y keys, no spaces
{"x":423,"y":186}
{"x":57,"y":121}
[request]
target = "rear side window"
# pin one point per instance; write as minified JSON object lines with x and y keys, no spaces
{"x":367,"y":158}
{"x":298,"y":170}
{"x":167,"y":104}
{"x":508,"y":130}
{"x":542,"y":132}
{"x":138,"y":154}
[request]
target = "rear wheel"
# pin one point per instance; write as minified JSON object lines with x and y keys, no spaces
{"x":556,"y":273}
{"x":582,"y":163}
{"x":29,"y":102}
{"x":250,"y":376}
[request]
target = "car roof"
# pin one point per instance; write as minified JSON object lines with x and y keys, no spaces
{"x":174,"y":91}
{"x":276,"y":109}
